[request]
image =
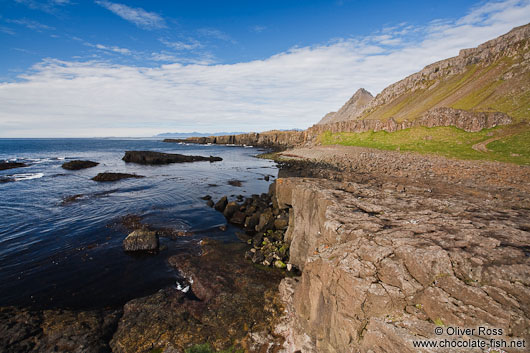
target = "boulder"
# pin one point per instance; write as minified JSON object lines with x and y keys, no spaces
{"x":238,"y":218}
{"x":141,"y":240}
{"x":230,"y":209}
{"x":221,"y":204}
{"x":77,"y":165}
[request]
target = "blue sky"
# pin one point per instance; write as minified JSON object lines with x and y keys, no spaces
{"x":136,"y":68}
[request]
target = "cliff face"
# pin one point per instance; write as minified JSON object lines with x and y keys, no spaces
{"x":281,"y":139}
{"x":382,"y":268}
{"x":352,"y":109}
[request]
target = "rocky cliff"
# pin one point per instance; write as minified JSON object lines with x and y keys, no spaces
{"x":352,"y":109}
{"x":383,"y":268}
{"x":480,"y":88}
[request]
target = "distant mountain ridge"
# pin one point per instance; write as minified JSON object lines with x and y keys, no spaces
{"x":196,"y":134}
{"x":491,"y":78}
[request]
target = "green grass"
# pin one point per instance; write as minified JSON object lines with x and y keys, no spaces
{"x":446,"y":141}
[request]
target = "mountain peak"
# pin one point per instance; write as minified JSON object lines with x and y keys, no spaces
{"x":351,"y":109}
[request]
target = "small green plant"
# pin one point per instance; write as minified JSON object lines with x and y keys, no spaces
{"x":207,"y":348}
{"x":438,"y":322}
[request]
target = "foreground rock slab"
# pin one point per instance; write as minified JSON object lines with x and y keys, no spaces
{"x":151,"y":157}
{"x":141,"y":240}
{"x":224,"y":301}
{"x":64,"y":331}
{"x":78,"y":164}
{"x":105,"y":177}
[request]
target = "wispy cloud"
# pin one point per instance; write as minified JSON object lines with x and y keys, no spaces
{"x":49,"y":6}
{"x":7,"y":30}
{"x":216,"y":34}
{"x":31,"y":24}
{"x":258,"y":28}
{"x":292,"y":89}
{"x":138,"y":16}
{"x":190,"y":44}
{"x":123,"y":51}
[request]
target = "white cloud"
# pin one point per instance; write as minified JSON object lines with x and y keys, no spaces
{"x":216,"y":34}
{"x":138,"y":16}
{"x":293,"y":89}
{"x":191,"y":44}
{"x":49,"y":6}
{"x":31,"y":24}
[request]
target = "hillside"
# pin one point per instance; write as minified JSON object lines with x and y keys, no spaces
{"x":494,"y":77}
{"x":351,"y":109}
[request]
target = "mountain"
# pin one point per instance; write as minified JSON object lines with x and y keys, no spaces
{"x":491,"y":78}
{"x":351,"y":109}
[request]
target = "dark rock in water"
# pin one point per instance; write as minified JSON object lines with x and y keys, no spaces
{"x":243,"y":236}
{"x":6,"y":180}
{"x":238,"y":218}
{"x":266,"y":220}
{"x":114,"y":176}
{"x":210,"y":203}
{"x":221,"y":204}
{"x":141,"y":240}
{"x":252,"y":221}
{"x":77,"y":165}
{"x":207,"y":197}
{"x":231,"y":208}
{"x":266,"y":178}
{"x":235,"y":182}
{"x":57,"y":330}
{"x":151,"y":157}
{"x":10,"y":165}
{"x":223,"y":228}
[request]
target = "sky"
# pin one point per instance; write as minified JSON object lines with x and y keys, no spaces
{"x":74,"y":68}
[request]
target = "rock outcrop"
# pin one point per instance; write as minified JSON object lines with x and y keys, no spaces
{"x":271,"y":139}
{"x":151,"y":157}
{"x":106,"y":177}
{"x":77,"y":165}
{"x":381,"y":268}
{"x":352,"y":109}
{"x":10,"y":165}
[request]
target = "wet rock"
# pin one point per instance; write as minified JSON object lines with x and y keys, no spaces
{"x":234,"y":182}
{"x":154,"y":158}
{"x":6,"y":180}
{"x":281,"y":223}
{"x":77,"y":165}
{"x":106,"y":177}
{"x":10,"y":165}
{"x":266,"y":220}
{"x":231,"y":208}
{"x":221,"y":204}
{"x":64,"y":331}
{"x":210,"y":203}
{"x":206,"y":198}
{"x":230,"y":309}
{"x":238,"y":218}
{"x":141,"y":240}
{"x":251,"y":221}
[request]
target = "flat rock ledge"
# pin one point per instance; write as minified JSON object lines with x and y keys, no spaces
{"x":141,"y":240}
{"x":154,"y":158}
{"x":383,"y":268}
{"x":106,"y":177}
{"x":10,"y":165}
{"x":78,"y":164}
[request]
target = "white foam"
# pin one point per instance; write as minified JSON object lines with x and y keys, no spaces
{"x":27,"y":176}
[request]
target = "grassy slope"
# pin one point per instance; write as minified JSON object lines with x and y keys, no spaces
{"x":479,"y":88}
{"x":503,"y":86}
{"x":514,"y":147}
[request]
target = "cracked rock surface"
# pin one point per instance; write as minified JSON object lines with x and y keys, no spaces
{"x":382,"y":267}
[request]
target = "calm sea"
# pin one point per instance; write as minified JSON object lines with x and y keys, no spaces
{"x":70,"y":255}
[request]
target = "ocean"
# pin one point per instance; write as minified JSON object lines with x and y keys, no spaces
{"x":69,"y":254}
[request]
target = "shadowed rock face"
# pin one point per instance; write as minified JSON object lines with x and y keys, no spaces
{"x":10,"y":165}
{"x":77,"y":165}
{"x":151,"y":157}
{"x":104,"y":177}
